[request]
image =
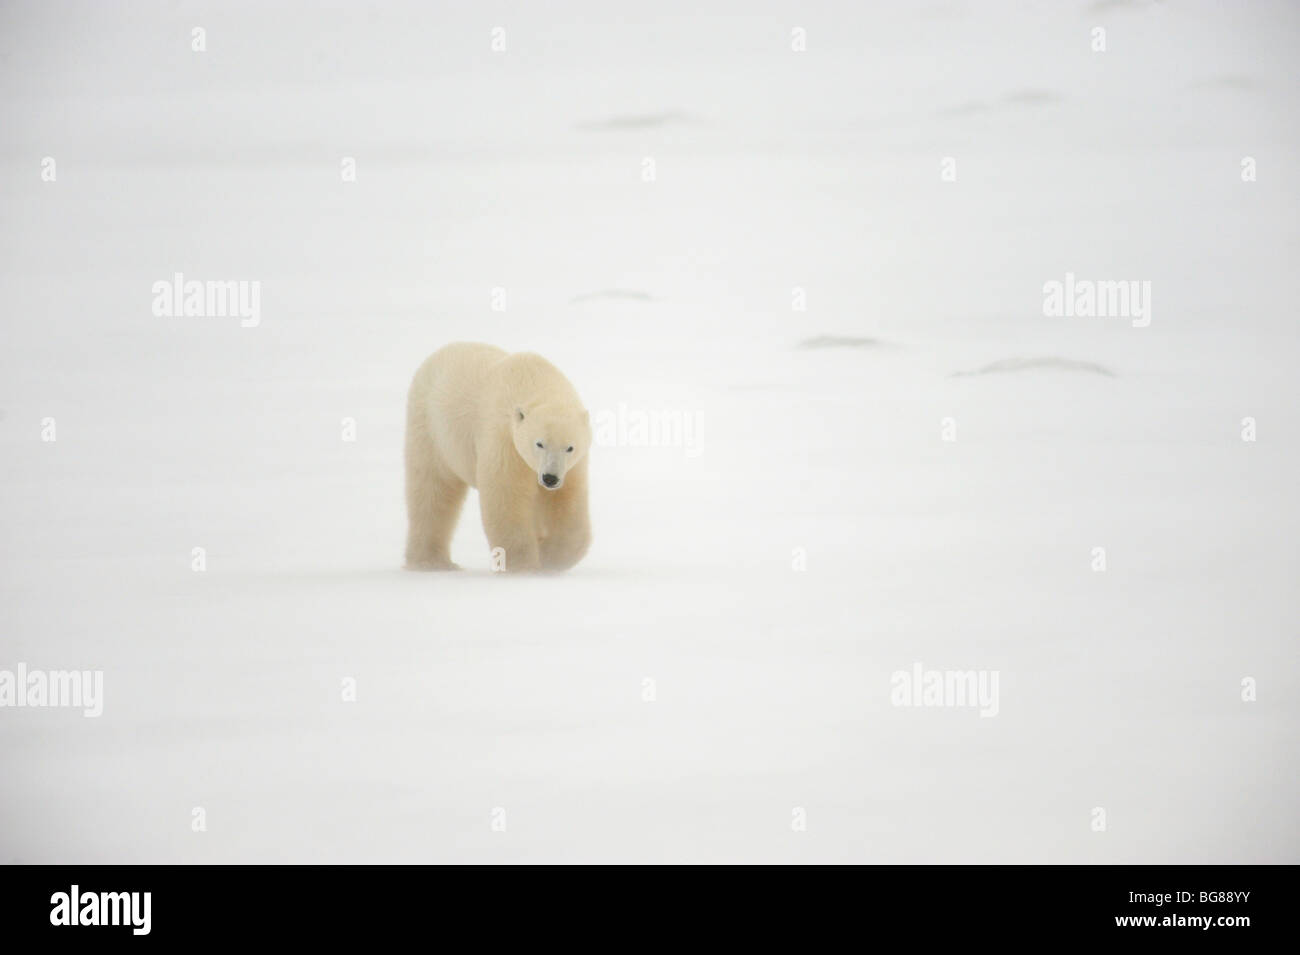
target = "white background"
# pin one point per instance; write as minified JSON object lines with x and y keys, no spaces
{"x":775,"y":169}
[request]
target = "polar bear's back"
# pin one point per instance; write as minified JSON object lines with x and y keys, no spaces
{"x":470,"y":378}
{"x":528,"y":379}
{"x":456,"y":376}
{"x":445,"y":406}
{"x":468,"y":360}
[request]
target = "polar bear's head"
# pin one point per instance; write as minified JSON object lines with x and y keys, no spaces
{"x":551,"y":441}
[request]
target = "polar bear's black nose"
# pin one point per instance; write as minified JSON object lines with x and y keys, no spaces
{"x":550,"y":480}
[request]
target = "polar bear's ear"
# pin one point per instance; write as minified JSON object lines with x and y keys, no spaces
{"x":519,"y":413}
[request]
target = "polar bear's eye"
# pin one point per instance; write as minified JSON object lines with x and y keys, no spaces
{"x":539,"y":444}
{"x":569,"y":449}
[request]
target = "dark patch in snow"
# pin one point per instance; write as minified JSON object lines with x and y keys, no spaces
{"x":1032,"y":98}
{"x":1235,"y":82}
{"x":642,"y":121}
{"x":1113,"y":6}
{"x":617,"y":294}
{"x":966,"y":109}
{"x":1037,"y":364}
{"x":840,"y":341}
{"x":1016,"y":99}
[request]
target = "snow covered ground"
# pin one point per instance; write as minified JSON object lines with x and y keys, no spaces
{"x":713,"y":683}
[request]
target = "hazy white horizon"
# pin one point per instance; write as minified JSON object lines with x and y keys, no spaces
{"x":896,"y":458}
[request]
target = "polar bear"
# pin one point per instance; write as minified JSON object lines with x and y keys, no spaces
{"x":512,"y":426}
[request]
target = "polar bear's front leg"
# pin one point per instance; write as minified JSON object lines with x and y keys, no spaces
{"x":511,"y":526}
{"x":565,"y":522}
{"x":562,"y":550}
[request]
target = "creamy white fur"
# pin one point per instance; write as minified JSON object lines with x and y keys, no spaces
{"x":475,"y":416}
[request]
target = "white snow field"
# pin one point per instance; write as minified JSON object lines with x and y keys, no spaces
{"x":687,"y":693}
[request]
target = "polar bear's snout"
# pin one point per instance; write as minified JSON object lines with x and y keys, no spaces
{"x":551,"y":466}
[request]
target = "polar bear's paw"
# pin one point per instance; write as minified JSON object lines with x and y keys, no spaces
{"x":429,"y":564}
